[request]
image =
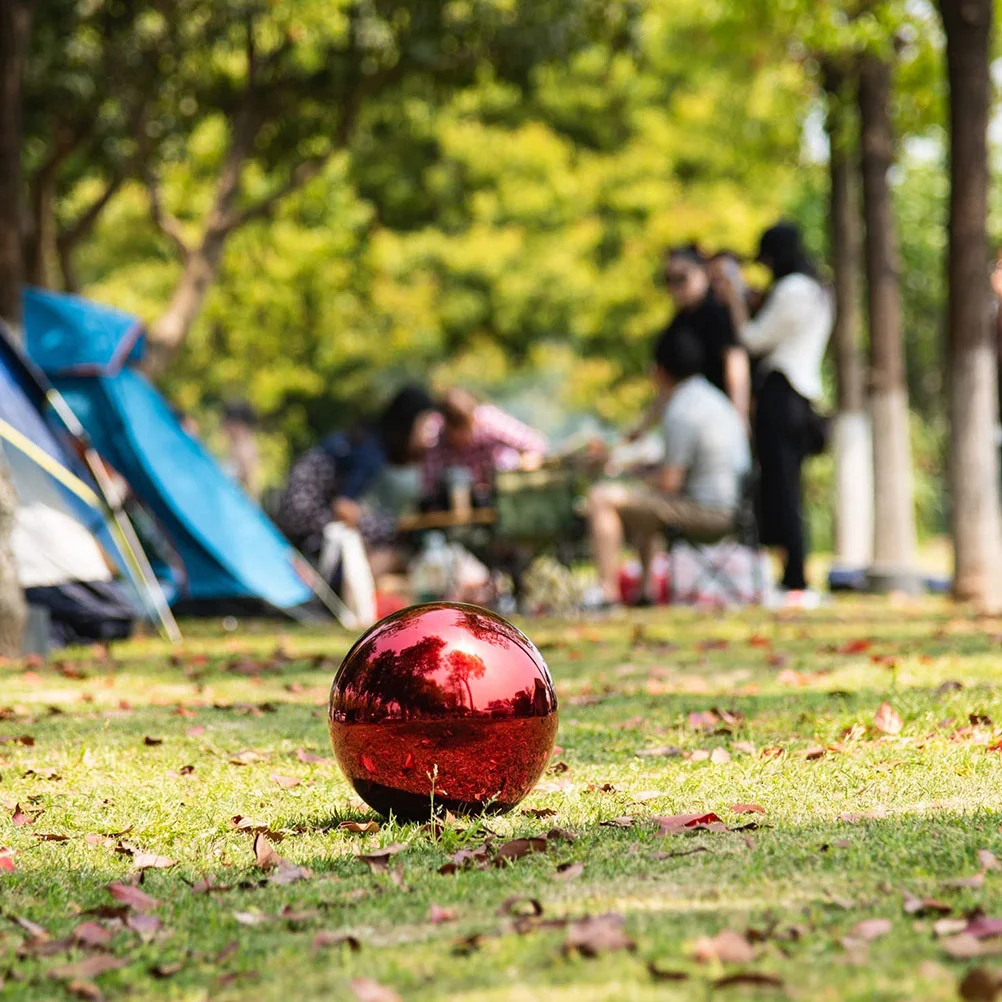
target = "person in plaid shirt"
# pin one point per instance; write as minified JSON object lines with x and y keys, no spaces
{"x":478,"y":437}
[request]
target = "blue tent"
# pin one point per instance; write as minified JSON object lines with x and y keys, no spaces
{"x":232,"y":554}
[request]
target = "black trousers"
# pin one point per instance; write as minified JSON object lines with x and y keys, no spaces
{"x":782,"y":433}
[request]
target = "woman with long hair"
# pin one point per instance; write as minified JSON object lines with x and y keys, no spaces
{"x":787,"y":337}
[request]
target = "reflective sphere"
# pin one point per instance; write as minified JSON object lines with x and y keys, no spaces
{"x":443,"y":707}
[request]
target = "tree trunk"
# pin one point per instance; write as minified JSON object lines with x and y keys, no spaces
{"x":15,"y":24}
{"x":852,"y":435}
{"x":974,"y":465}
{"x":169,"y":332}
{"x":894,"y":522}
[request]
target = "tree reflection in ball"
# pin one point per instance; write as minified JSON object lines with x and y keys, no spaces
{"x":443,"y":707}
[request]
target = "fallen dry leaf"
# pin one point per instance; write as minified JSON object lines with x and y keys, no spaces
{"x":367,"y":990}
{"x":265,"y":856}
{"x":151,"y":861}
{"x":964,"y":946}
{"x":978,"y":985}
{"x":359,"y":827}
{"x":569,"y":871}
{"x":144,"y":926}
{"x":753,"y":978}
{"x":285,"y":782}
{"x":327,"y":940}
{"x":152,"y":742}
{"x":289,"y":873}
{"x":870,"y":929}
{"x":593,"y":936}
{"x":516,"y":848}
{"x":132,"y":896}
{"x":678,"y":822}
{"x":437,"y":915}
{"x":987,"y":860}
{"x":720,"y":756}
{"x":886,"y":719}
{"x":33,"y":929}
{"x":623,"y":822}
{"x":664,"y":974}
{"x":91,"y":934}
{"x":727,"y":947}
{"x":19,"y":817}
{"x":921,"y":907}
{"x":89,"y":967}
{"x":309,"y":758}
{"x":379,"y":859}
{"x":747,"y":809}
{"x":967,"y":883}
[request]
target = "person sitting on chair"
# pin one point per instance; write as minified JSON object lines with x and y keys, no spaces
{"x":696,"y":489}
{"x":479,"y":438}
{"x":323,"y":510}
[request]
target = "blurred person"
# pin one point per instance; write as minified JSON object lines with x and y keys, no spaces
{"x":480,"y":438}
{"x":243,"y":462}
{"x":695,"y":489}
{"x":725,"y":362}
{"x":787,"y":338}
{"x":323,"y":509}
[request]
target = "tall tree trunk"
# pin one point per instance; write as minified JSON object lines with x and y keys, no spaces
{"x":974,"y":465}
{"x":894,"y":521}
{"x":852,"y":438}
{"x":15,"y":25}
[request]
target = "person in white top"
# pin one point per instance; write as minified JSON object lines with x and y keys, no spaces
{"x":787,"y":338}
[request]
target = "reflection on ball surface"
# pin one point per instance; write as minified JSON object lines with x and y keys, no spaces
{"x":445,"y":705}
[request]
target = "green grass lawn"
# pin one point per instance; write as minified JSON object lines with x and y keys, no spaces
{"x":167,"y":749}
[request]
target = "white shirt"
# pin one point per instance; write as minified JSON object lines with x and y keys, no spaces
{"x":791,"y":332}
{"x":706,"y":437}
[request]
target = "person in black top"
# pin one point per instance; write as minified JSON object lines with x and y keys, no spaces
{"x":725,"y":362}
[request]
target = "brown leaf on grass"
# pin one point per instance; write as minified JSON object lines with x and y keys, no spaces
{"x":974,"y":883}
{"x":437,"y":915}
{"x":7,"y":864}
{"x":208,"y":885}
{"x":91,"y":934}
{"x":87,"y":990}
{"x":964,"y":946}
{"x":20,"y":817}
{"x":252,"y":918}
{"x":144,"y":926}
{"x":33,"y":929}
{"x":596,"y":935}
{"x":703,"y":720}
{"x":24,"y":739}
{"x":948,"y":927}
{"x":327,"y":940}
{"x":675,"y":823}
{"x":162,"y":971}
{"x":289,"y":873}
{"x":89,"y":967}
{"x":48,"y":774}
{"x":151,"y":861}
{"x":569,"y":871}
{"x":367,"y":990}
{"x":152,"y":742}
{"x":539,"y":812}
{"x":978,"y":985}
{"x":136,"y":899}
{"x":379,"y":859}
{"x":886,"y":719}
{"x":727,"y":947}
{"x":747,"y":809}
{"x":521,"y":907}
{"x":516,"y":848}
{"x":623,"y":822}
{"x":870,"y":929}
{"x":922,"y":907}
{"x":242,"y":824}
{"x":720,"y":756}
{"x":285,"y":782}
{"x":50,"y":837}
{"x":751,"y":978}
{"x":248,"y":757}
{"x":987,"y":861}
{"x":359,"y":827}
{"x":265,"y":857}
{"x":309,"y":758}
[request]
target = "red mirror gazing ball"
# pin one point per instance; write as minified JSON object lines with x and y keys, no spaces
{"x":442,"y":707}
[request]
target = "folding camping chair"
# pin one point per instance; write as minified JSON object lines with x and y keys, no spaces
{"x":712,"y":561}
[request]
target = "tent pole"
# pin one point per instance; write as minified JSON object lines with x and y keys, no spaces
{"x":129,"y":541}
{"x":327,"y":595}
